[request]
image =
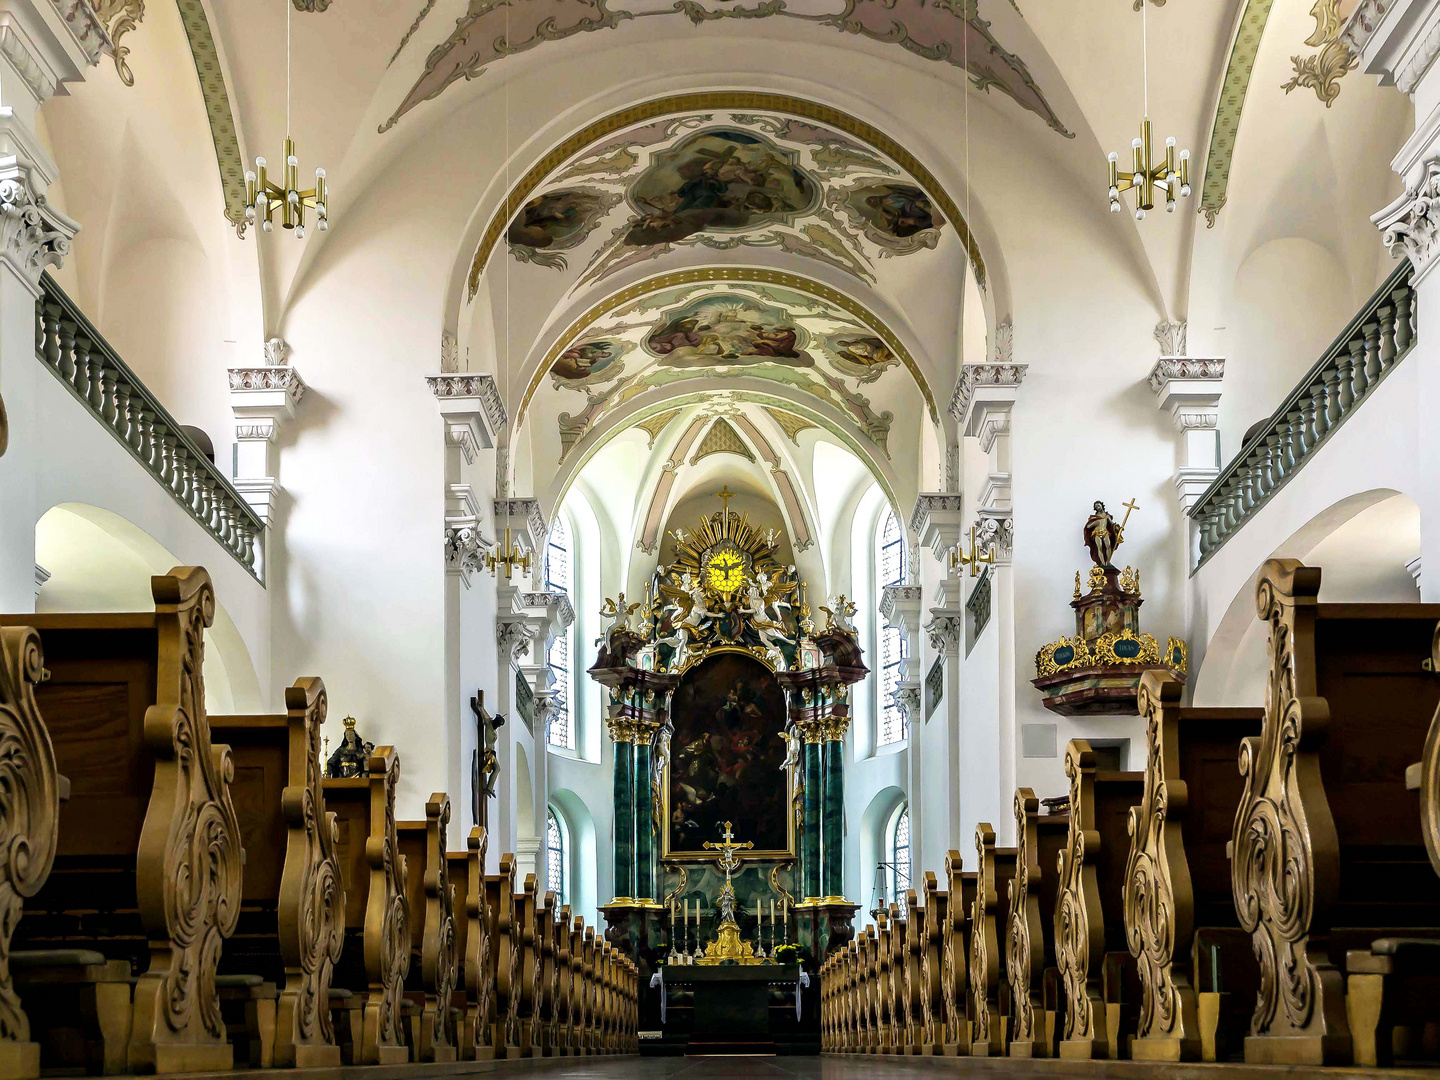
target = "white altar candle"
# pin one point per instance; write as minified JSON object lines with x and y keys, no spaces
{"x":757,"y":911}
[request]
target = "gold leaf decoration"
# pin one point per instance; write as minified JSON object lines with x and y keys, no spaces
{"x":1323,"y":71}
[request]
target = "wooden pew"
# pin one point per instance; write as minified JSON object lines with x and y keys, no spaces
{"x":474,"y":987}
{"x":547,"y":978}
{"x":500,"y":907}
{"x":914,"y":940}
{"x":884,"y":982}
{"x":932,"y":966}
{"x":995,"y":868}
{"x":126,"y":714}
{"x":564,"y":981}
{"x":851,"y":1015}
{"x":422,"y":846}
{"x":31,"y":788}
{"x":1348,"y":707}
{"x":292,"y":921}
{"x":525,"y":915}
{"x":1089,"y":914}
{"x":956,"y":978}
{"x":1030,"y":952}
{"x":581,"y":968}
{"x":869,"y":993}
{"x":1178,"y":899}
{"x":376,"y":957}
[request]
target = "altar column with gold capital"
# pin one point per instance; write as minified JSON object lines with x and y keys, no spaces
{"x":811,"y":768}
{"x":623,"y":732}
{"x":833,"y":815}
{"x":644,"y":812}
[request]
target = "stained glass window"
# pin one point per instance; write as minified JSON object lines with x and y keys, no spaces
{"x":555,"y":857}
{"x":890,"y":570}
{"x":900,"y":856}
{"x":557,"y":657}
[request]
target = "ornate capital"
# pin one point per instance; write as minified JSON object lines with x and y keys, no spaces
{"x":512,"y":638}
{"x":525,"y":515}
{"x":900,"y":606}
{"x":1169,"y":369}
{"x":471,"y":385}
{"x":277,"y":352}
{"x":996,"y":532}
{"x":1410,"y":225}
{"x":974,"y":378}
{"x":33,"y":234}
{"x":1170,"y":336}
{"x":558,"y":603}
{"x":907,"y":699}
{"x":944,"y":633}
{"x":465,"y":547}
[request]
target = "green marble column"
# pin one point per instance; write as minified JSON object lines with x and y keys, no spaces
{"x":624,"y":811}
{"x":833,"y":821}
{"x":810,"y":838}
{"x":644,"y":822}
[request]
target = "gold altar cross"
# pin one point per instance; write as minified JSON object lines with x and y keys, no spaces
{"x":725,"y":495}
{"x":727,"y":848}
{"x":1130,"y":507}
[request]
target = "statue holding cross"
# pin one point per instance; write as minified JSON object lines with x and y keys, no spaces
{"x":1103,"y":534}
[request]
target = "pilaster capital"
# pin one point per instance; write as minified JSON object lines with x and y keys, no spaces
{"x":33,"y":234}
{"x":550,"y":611}
{"x":513,"y":637}
{"x":472,"y":410}
{"x":944,"y":630}
{"x":465,"y":547}
{"x":938,"y":519}
{"x":995,"y":532}
{"x":907,"y":699}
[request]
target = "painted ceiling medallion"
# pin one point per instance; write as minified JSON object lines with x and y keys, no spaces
{"x":1323,"y":71}
{"x":725,"y":169}
{"x":950,"y":33}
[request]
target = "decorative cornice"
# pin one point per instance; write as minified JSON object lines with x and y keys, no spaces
{"x":33,"y":234}
{"x":85,"y":27}
{"x":1362,"y":24}
{"x":558,"y":603}
{"x":285,"y":379}
{"x":927,"y":503}
{"x":1175,"y":368}
{"x":480,"y":386}
{"x":36,"y":76}
{"x":974,"y":376}
{"x":526,"y":510}
{"x":897,"y":602}
{"x":261,"y":430}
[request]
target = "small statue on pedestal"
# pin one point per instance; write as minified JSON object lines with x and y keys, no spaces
{"x":352,"y":757}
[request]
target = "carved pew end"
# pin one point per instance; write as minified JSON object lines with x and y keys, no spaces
{"x":79,"y":1005}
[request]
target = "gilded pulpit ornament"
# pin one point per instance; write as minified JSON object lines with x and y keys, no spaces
{"x":352,"y":757}
{"x":1098,"y":670}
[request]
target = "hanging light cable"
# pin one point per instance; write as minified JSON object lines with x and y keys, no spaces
{"x":512,"y":556}
{"x":1146,"y":177}
{"x":263,"y":197}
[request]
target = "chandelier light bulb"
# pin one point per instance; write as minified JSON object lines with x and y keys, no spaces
{"x":265,"y":226}
{"x":1140,"y":215}
{"x":299,"y":232}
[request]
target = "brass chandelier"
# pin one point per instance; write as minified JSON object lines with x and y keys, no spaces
{"x":1146,"y":177}
{"x":263,"y":197}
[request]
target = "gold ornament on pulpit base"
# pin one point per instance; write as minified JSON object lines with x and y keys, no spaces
{"x":1097,"y":671}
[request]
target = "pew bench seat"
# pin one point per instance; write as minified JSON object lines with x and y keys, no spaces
{"x":79,"y":1004}
{"x":1391,"y":990}
{"x":247,"y":1005}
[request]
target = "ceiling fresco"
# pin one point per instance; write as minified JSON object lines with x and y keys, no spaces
{"x":723,"y":180}
{"x":709,"y":330}
{"x":947,"y":32}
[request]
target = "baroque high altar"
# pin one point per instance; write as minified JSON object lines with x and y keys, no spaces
{"x":719,"y":684}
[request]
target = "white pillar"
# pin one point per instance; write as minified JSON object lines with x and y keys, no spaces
{"x":41,"y":49}
{"x":900,"y":608}
{"x":263,"y":400}
{"x":1399,"y":40}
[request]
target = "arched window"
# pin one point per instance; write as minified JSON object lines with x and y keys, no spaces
{"x":557,"y":657}
{"x":555,"y":857}
{"x":890,"y":570}
{"x":900,"y":855}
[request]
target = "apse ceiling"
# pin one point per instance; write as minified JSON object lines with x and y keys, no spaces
{"x":719,"y":180}
{"x":945,"y":32}
{"x":710,"y":329}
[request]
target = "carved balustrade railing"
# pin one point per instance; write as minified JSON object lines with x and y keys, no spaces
{"x":77,"y":355}
{"x":1373,"y":343}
